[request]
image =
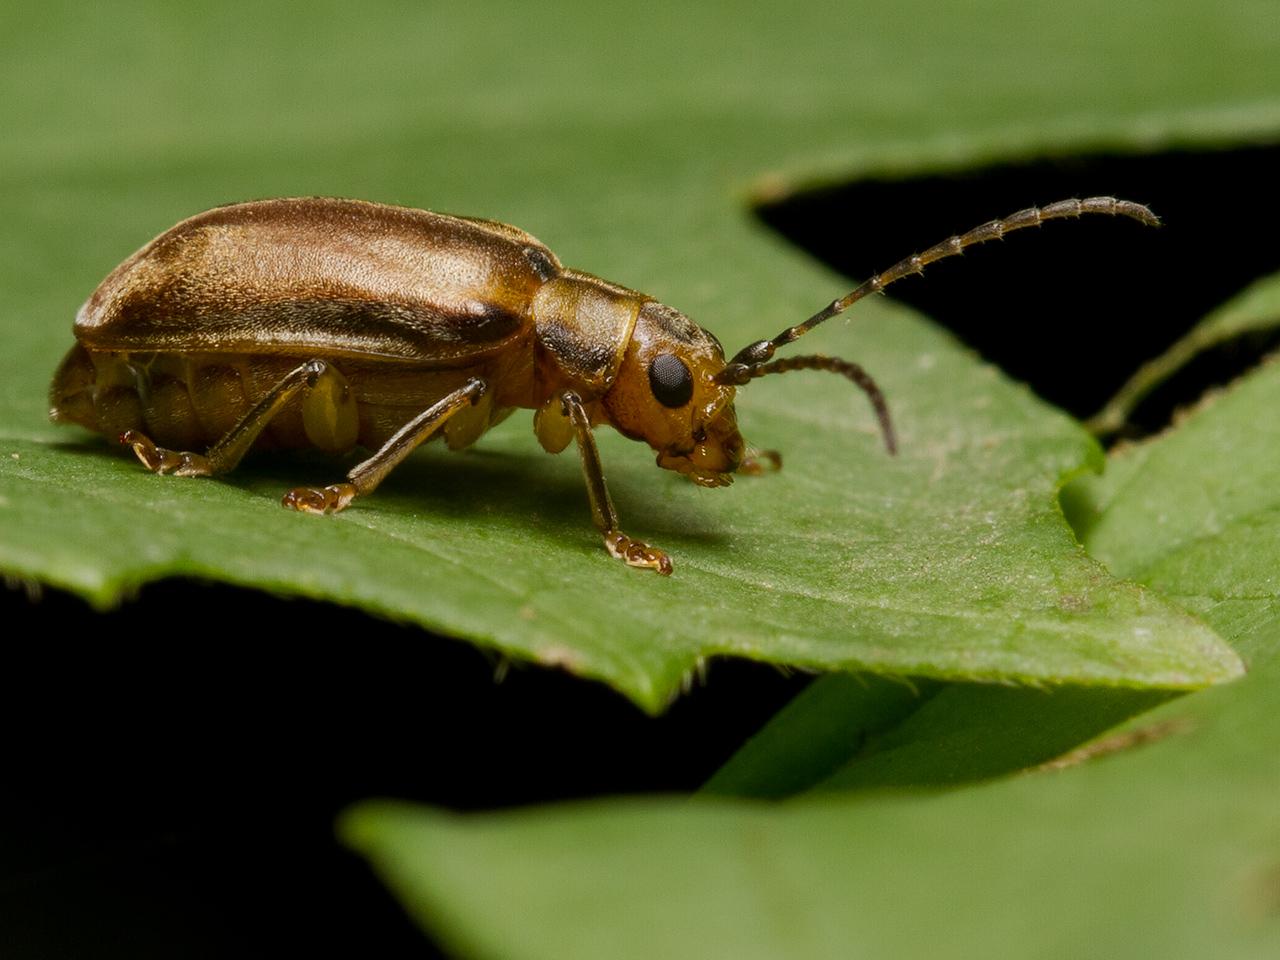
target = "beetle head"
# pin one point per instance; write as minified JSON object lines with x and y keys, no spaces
{"x":667,"y":394}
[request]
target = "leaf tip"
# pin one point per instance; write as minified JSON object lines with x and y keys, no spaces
{"x":363,"y":827}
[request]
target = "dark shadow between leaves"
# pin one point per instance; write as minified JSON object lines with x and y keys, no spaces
{"x":183,"y":757}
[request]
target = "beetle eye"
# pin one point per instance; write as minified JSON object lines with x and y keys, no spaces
{"x":670,"y":380}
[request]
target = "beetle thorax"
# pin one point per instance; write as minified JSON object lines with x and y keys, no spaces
{"x":583,"y":325}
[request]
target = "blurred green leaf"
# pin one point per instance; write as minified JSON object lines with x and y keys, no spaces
{"x":951,"y":735}
{"x":835,"y":719}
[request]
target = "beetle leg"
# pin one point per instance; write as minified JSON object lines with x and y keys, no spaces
{"x":635,"y":553}
{"x":230,"y":450}
{"x":365,"y":477}
{"x":758,"y":462}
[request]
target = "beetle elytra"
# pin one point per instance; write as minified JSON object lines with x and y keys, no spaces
{"x":339,"y":323}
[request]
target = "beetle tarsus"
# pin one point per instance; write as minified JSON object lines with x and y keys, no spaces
{"x":330,"y":499}
{"x":637,"y":553}
{"x":759,"y":462}
{"x":179,"y":463}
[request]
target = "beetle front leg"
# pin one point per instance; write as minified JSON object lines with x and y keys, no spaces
{"x":759,"y":462}
{"x":365,"y":477}
{"x":635,"y":553}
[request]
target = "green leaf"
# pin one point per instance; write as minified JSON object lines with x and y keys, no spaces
{"x":840,"y":734}
{"x":624,"y":140}
{"x":835,"y":718}
{"x":1163,"y":509}
{"x":1160,"y":839}
{"x":1166,"y":493}
{"x":1255,"y":310}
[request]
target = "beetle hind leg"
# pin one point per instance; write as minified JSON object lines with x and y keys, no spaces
{"x":230,"y":450}
{"x":179,"y":463}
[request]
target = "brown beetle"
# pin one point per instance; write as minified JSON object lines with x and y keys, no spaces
{"x":340,"y":323}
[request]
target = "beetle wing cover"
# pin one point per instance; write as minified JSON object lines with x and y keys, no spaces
{"x":322,"y":277}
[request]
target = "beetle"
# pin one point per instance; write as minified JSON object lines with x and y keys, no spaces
{"x":331,"y":323}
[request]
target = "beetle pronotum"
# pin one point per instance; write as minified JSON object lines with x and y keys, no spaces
{"x":340,"y":323}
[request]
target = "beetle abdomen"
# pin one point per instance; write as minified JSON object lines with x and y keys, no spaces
{"x":324,"y":278}
{"x":112,"y":393}
{"x":182,"y":402}
{"x":190,"y":401}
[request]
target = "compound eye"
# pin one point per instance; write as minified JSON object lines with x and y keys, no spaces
{"x":670,"y":380}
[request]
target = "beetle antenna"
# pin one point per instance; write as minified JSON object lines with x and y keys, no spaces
{"x":763,"y":350}
{"x":835,"y":365}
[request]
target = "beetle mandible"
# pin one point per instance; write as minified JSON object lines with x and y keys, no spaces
{"x":340,"y":323}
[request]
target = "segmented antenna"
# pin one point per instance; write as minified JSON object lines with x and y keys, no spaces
{"x":846,"y":369}
{"x":738,"y":370}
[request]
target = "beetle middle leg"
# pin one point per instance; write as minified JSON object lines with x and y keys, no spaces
{"x":365,"y":477}
{"x":230,"y":450}
{"x":635,"y":553}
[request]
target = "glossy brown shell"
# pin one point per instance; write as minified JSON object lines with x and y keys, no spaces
{"x":321,"y":277}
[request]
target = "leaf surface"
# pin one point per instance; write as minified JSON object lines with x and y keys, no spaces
{"x":626,"y":142}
